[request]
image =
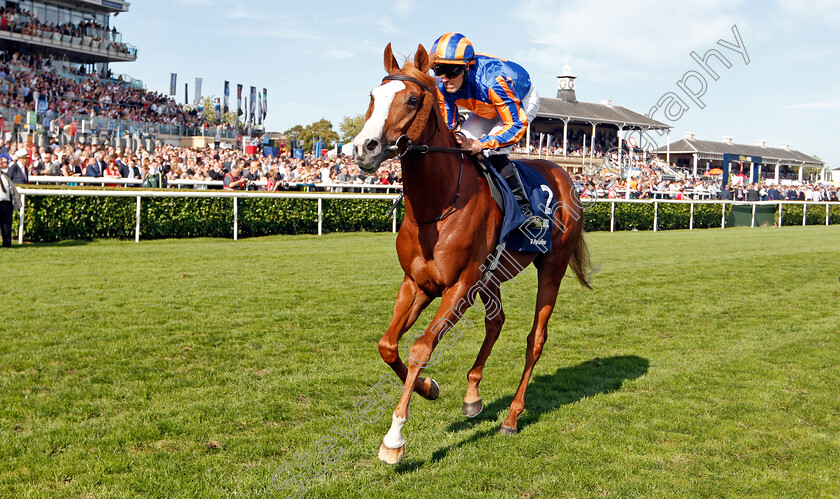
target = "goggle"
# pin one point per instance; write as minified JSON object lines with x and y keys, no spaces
{"x":448,"y":70}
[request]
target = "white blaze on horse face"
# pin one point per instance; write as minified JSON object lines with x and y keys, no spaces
{"x":383,"y":96}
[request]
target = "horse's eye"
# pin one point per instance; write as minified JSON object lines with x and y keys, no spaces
{"x":412,"y":101}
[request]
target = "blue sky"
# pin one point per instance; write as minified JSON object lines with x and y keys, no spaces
{"x":321,"y":59}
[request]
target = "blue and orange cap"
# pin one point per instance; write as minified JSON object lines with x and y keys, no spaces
{"x":452,"y":48}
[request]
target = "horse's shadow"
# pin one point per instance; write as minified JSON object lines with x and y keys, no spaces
{"x":546,"y":393}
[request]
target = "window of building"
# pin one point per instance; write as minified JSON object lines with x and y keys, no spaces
{"x":39,"y":11}
{"x":63,"y":16}
{"x":52,"y":15}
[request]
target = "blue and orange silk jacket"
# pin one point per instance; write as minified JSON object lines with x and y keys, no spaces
{"x":494,"y":88}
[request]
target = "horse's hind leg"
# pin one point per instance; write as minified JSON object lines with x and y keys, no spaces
{"x":411,"y":300}
{"x":494,"y":318}
{"x":549,"y":281}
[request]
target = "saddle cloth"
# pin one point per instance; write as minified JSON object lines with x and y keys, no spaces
{"x":543,"y":204}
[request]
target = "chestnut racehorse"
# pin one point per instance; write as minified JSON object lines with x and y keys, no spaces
{"x":451,"y":227}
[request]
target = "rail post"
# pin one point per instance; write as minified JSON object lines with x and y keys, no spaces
{"x":235,"y":218}
{"x":137,"y":220}
{"x":655,"y":215}
{"x":20,"y":223}
{"x":691,"y":217}
{"x":320,"y":216}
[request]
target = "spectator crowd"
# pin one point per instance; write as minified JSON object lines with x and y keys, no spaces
{"x":24,"y":79}
{"x":236,"y":169}
{"x":195,"y":166}
{"x":578,"y":143}
{"x":18,"y":20}
{"x":652,"y":181}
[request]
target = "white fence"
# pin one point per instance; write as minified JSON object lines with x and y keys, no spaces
{"x":204,"y":184}
{"x":177,"y":193}
{"x":320,"y":196}
{"x":723,"y":204}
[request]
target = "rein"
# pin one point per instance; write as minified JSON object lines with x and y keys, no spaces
{"x":413,"y":135}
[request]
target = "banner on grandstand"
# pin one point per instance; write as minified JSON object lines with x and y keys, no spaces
{"x":218,"y":111}
{"x":238,"y":100}
{"x":253,"y":104}
{"x":265,"y":103}
{"x":173,"y":82}
{"x":198,"y":92}
{"x":186,"y":93}
{"x":259,"y":109}
{"x":226,"y":109}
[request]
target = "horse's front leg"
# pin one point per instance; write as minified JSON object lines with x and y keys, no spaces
{"x":454,"y":302}
{"x":411,"y":301}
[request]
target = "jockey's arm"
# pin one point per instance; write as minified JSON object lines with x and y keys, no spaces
{"x":511,"y":114}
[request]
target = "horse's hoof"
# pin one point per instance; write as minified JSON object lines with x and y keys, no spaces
{"x":472,"y":409}
{"x":507,"y":430}
{"x":434,"y":391}
{"x":390,"y":456}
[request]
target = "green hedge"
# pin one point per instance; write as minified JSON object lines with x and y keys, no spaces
{"x":639,"y":216}
{"x":792,"y":214}
{"x":54,"y":218}
{"x":58,"y":218}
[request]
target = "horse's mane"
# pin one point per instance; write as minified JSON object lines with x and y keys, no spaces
{"x":411,"y":70}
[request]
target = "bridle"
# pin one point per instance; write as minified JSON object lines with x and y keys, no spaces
{"x":409,"y":138}
{"x":418,"y":123}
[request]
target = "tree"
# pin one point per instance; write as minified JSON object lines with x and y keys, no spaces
{"x":351,"y":126}
{"x":292,"y":134}
{"x":208,"y":104}
{"x":321,"y":129}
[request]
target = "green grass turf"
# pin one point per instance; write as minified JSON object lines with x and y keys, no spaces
{"x":704,"y":363}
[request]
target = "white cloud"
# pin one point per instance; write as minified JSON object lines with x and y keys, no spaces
{"x":815,"y":11}
{"x":194,"y":3}
{"x":403,"y":7}
{"x":386,"y":25}
{"x":242,"y":11}
{"x":624,"y":39}
{"x":266,"y":33}
{"x":813,"y":106}
{"x":339,"y":54}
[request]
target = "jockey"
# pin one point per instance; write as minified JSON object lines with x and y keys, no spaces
{"x":501,"y":99}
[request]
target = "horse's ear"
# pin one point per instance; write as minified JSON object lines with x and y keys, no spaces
{"x":391,"y":64}
{"x":421,"y":58}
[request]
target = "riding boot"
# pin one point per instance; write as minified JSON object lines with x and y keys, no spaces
{"x":511,"y":175}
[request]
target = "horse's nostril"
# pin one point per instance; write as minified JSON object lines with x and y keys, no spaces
{"x":371,"y":144}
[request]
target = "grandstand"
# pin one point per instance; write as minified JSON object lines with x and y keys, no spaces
{"x":694,"y":156}
{"x":56,"y":81}
{"x":73,"y":33}
{"x":568,"y":122}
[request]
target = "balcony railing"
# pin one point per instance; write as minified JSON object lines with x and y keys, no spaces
{"x":103,"y":45}
{"x":99,"y":125}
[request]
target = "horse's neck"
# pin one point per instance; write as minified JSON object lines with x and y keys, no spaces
{"x":431,"y":180}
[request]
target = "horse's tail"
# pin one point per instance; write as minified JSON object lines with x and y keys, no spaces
{"x":580,"y":263}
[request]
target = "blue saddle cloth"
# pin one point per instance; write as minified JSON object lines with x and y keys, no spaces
{"x":542,"y":205}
